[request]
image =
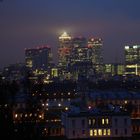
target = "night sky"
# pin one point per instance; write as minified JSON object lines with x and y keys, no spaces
{"x":28,"y":23}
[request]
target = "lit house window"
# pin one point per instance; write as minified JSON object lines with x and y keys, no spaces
{"x":91,"y":132}
{"x":89,"y":121}
{"x":100,"y":132}
{"x":104,"y":132}
{"x":107,"y":121}
{"x":103,"y":121}
{"x":108,"y":132}
{"x":95,"y":132}
{"x":16,"y":115}
{"x":93,"y":121}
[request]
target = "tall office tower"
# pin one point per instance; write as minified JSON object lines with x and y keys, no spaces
{"x":79,"y":49}
{"x":64,"y":50}
{"x":38,"y":58}
{"x":95,"y":48}
{"x":29,"y":57}
{"x":132,"y":60}
{"x":80,"y":62}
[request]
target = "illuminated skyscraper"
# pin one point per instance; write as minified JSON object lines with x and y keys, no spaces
{"x":95,"y":48}
{"x":79,"y":50}
{"x":132,"y":59}
{"x":38,"y":58}
{"x":29,"y":57}
{"x":64,"y":50}
{"x":80,"y":62}
{"x":79,"y":56}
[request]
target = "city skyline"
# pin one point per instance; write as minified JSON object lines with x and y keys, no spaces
{"x":27,"y":24}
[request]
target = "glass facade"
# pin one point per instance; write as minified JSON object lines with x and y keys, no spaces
{"x":132,"y":60}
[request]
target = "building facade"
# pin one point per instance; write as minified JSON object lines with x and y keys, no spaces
{"x":96,"y":125}
{"x":95,"y":48}
{"x":80,"y":61}
{"x":38,"y":58}
{"x":132,"y":60}
{"x":114,"y":69}
{"x":64,"y":50}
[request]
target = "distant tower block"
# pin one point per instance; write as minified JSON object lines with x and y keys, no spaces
{"x":64,"y":50}
{"x":95,"y":45}
{"x":132,"y":60}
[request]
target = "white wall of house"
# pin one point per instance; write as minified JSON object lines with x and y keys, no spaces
{"x":78,"y":127}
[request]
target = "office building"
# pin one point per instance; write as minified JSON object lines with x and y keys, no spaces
{"x":132,"y":60}
{"x":95,"y":48}
{"x":64,"y":50}
{"x":114,"y":69}
{"x":80,"y":62}
{"x":38,"y":58}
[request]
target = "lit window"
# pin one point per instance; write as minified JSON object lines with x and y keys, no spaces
{"x":91,"y":132}
{"x":108,"y":132}
{"x":103,"y":121}
{"x":93,"y":121}
{"x":135,"y":47}
{"x":104,"y":132}
{"x":89,"y":121}
{"x":95,"y":132}
{"x":16,"y":115}
{"x":126,"y":47}
{"x":125,"y":102}
{"x":107,"y":121}
{"x":66,"y":108}
{"x":89,"y":107}
{"x":100,"y":132}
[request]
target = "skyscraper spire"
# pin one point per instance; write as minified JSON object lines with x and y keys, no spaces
{"x":64,"y":36}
